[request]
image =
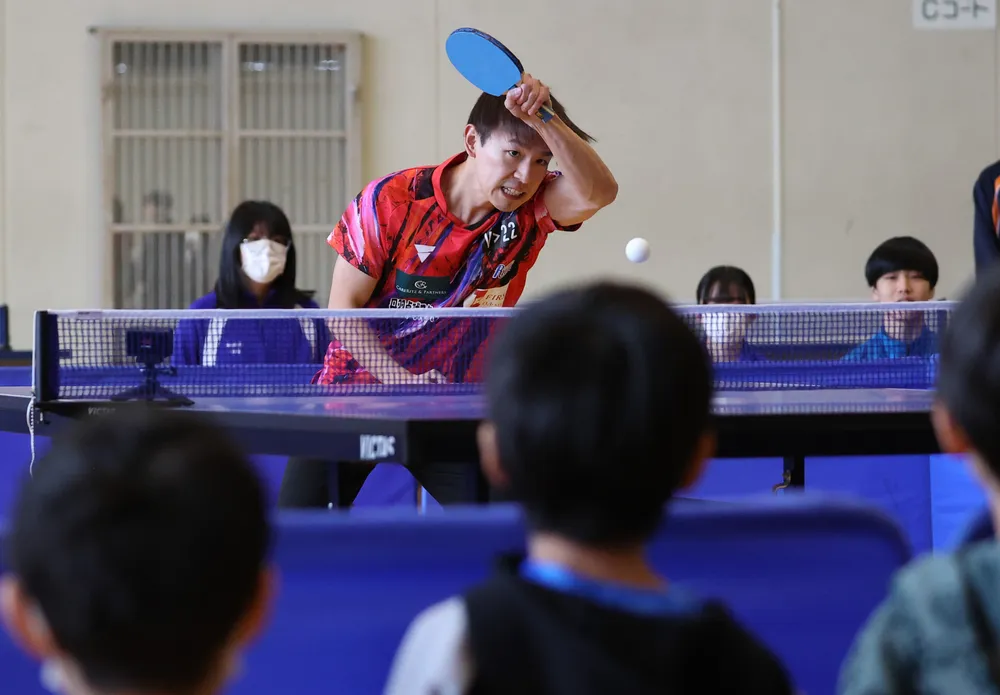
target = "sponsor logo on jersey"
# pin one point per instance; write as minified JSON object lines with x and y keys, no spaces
{"x":502,"y":271}
{"x":493,"y":297}
{"x":397,"y":303}
{"x":421,"y":287}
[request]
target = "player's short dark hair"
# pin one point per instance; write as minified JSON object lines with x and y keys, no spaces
{"x":901,"y":253}
{"x":489,"y":115}
{"x":729,"y":278}
{"x":599,"y":396}
{"x":142,"y":538}
{"x":969,"y":372}
{"x":229,"y":290}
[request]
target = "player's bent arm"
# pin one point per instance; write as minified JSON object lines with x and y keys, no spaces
{"x":586,"y":184}
{"x":350,"y":288}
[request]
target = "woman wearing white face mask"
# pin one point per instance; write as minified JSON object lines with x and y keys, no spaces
{"x":725,"y":332}
{"x":256,"y":271}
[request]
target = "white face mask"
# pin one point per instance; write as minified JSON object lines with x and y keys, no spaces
{"x":725,"y":328}
{"x":263,"y":260}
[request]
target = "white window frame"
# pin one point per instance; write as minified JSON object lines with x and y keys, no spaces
{"x":232,"y":134}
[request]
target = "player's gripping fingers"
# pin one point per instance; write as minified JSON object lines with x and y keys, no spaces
{"x":431,"y":377}
{"x":534,"y":95}
{"x":513,"y":101}
{"x":540,"y":98}
{"x":436,"y":377}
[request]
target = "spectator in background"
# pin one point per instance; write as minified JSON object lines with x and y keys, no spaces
{"x":900,"y":269}
{"x":157,"y":208}
{"x":256,"y":270}
{"x":936,"y":632}
{"x":137,"y":555}
{"x":578,"y":438}
{"x":986,"y":220}
{"x":725,"y":332}
{"x":726,"y":284}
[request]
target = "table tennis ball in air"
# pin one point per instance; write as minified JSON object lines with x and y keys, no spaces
{"x":637,"y":250}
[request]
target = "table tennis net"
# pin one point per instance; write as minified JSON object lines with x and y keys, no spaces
{"x":275,"y":353}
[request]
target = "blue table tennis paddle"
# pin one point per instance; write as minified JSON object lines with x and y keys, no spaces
{"x":486,"y":63}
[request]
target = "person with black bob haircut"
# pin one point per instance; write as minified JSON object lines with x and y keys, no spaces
{"x":725,"y":332}
{"x":726,"y":284}
{"x":593,"y":441}
{"x":257,"y":263}
{"x":137,"y":557}
{"x":937,"y":629}
{"x":900,"y":269}
{"x":256,"y":271}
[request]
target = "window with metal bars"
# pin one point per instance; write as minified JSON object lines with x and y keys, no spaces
{"x":196,"y":123}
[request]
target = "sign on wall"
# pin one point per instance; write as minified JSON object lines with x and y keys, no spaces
{"x":955,"y":14}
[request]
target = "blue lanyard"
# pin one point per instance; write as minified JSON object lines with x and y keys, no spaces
{"x":641,"y":601}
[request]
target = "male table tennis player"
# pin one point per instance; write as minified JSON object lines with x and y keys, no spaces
{"x":462,"y":233}
{"x":986,"y":220}
{"x":900,"y":269}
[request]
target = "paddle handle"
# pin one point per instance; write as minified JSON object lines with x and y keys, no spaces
{"x":545,"y":113}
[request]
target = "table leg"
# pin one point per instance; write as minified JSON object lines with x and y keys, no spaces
{"x":793,"y":475}
{"x":345,"y":480}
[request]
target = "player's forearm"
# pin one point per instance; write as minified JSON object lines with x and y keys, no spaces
{"x":350,"y":289}
{"x":585,"y":172}
{"x":365,"y":346}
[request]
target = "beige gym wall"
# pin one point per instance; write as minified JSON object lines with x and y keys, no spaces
{"x":884,"y":129}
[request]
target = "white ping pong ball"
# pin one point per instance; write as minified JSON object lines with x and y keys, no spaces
{"x":637,"y":250}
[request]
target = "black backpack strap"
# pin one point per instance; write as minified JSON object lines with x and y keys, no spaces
{"x":981,"y":626}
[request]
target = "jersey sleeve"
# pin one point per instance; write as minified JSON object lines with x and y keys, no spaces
{"x":543,"y":219}
{"x":363,"y":237}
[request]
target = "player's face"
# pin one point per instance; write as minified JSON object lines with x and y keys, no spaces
{"x":510,"y":171}
{"x":902,"y":286}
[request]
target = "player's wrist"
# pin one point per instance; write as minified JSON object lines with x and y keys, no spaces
{"x":542,"y":127}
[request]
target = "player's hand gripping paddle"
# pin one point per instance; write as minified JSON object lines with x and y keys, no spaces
{"x":486,"y":63}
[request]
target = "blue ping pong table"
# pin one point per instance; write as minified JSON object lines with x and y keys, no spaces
{"x":415,"y":429}
{"x":790,"y":405}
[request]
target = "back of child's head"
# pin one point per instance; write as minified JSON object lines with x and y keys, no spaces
{"x":141,"y":539}
{"x":898,"y":254}
{"x":968,"y":384}
{"x":599,"y":399}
